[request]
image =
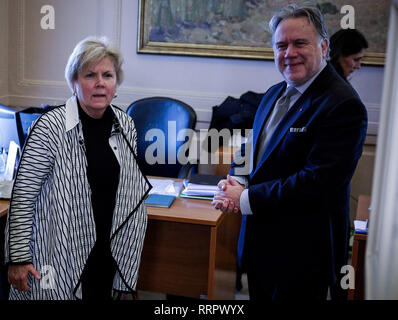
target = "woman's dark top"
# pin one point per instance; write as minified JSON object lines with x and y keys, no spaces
{"x":103,"y":177}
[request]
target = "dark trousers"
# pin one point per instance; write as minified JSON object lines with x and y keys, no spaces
{"x":98,"y":274}
{"x":268,"y":287}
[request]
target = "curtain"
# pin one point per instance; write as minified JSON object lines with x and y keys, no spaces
{"x":381,"y":261}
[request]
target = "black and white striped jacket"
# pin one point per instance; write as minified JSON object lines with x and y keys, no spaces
{"x":50,"y":221}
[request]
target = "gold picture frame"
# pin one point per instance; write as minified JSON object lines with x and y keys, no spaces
{"x":215,"y":48}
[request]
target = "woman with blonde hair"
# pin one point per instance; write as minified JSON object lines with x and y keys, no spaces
{"x":77,"y":221}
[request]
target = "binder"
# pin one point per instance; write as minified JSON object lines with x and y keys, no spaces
{"x":159,"y":200}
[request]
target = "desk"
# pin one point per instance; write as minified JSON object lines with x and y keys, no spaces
{"x":359,"y":250}
{"x":189,"y":250}
{"x":4,"y":207}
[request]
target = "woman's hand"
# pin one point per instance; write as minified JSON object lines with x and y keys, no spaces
{"x":18,"y":276}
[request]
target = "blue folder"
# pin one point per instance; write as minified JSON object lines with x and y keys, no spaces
{"x":159,"y":200}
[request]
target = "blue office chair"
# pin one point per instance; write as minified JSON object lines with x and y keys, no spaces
{"x":164,"y":114}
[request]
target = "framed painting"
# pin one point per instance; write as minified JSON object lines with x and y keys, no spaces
{"x":239,"y":28}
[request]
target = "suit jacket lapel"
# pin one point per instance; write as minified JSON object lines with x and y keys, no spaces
{"x":261,"y":116}
{"x":301,"y":105}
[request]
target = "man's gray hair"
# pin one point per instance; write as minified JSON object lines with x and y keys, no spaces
{"x":92,"y":50}
{"x":293,"y":11}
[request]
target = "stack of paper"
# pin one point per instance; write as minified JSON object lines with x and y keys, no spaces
{"x":361,"y":226}
{"x":194,"y":189}
{"x":164,"y":186}
{"x":201,"y":186}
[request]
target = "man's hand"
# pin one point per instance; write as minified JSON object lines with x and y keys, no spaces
{"x":18,"y":276}
{"x":228,"y":200}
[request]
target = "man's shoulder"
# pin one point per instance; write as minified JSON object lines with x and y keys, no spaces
{"x":336,"y":95}
{"x":330,"y":84}
{"x":339,"y":90}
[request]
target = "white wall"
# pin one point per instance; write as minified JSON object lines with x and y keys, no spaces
{"x":37,"y":58}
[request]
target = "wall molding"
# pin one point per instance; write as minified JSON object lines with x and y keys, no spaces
{"x":21,"y":10}
{"x":4,"y":45}
{"x":100,"y":17}
{"x":21,"y":81}
{"x":4,"y":100}
{"x":373,"y":117}
{"x":117,"y":24}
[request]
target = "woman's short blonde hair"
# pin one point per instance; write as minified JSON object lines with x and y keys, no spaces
{"x":92,"y":50}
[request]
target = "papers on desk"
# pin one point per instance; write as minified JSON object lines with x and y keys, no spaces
{"x":166,"y":187}
{"x":201,"y":187}
{"x":361,"y":226}
{"x":200,"y":190}
{"x":183,"y":195}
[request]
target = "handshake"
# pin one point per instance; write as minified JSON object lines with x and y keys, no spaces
{"x":228,"y":198}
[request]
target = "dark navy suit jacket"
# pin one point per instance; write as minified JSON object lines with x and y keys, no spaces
{"x":299,"y":192}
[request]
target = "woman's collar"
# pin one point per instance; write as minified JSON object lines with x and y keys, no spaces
{"x":72,"y":113}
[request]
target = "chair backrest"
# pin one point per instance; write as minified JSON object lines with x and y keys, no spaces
{"x":168,"y":117}
{"x":8,"y":127}
{"x":25,"y":118}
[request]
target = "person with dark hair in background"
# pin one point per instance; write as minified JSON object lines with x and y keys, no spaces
{"x":347,"y":48}
{"x":308,"y":135}
{"x":76,"y":213}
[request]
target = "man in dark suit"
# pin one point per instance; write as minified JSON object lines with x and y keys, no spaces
{"x":308,"y":136}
